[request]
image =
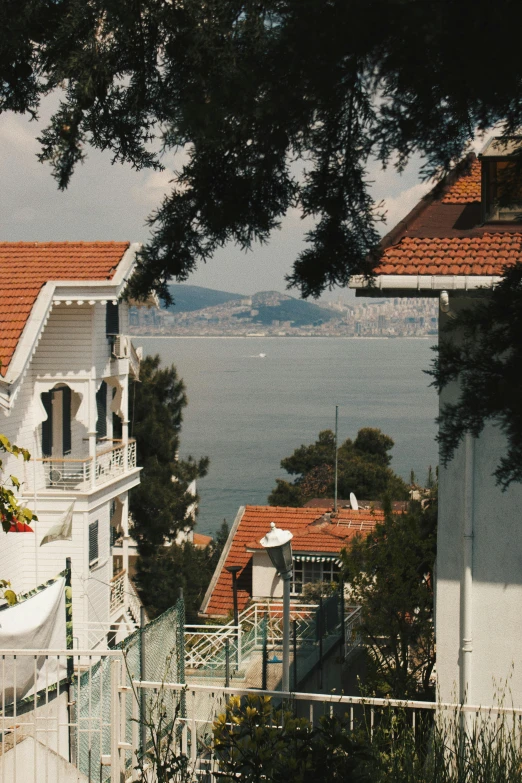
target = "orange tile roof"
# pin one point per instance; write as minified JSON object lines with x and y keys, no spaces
{"x":312,"y":534}
{"x":486,"y":254}
{"x":201,"y":540}
{"x":26,"y":266}
{"x":467,"y":189}
{"x":445,"y":234}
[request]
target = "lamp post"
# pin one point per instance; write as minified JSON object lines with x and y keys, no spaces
{"x":277,"y":544}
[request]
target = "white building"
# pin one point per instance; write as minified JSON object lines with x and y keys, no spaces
{"x":455,"y":242}
{"x":64,"y":383}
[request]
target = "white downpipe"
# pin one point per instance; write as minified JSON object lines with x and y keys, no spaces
{"x":466,"y":639}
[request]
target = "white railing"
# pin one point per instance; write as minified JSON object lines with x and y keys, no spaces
{"x":65,"y":474}
{"x":205,"y":644}
{"x":95,"y":721}
{"x":134,"y":604}
{"x":117,"y":592}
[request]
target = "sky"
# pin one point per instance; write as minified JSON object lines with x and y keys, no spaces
{"x":112,"y":202}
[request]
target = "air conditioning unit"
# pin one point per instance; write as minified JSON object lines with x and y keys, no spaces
{"x":122,"y":347}
{"x":55,"y":476}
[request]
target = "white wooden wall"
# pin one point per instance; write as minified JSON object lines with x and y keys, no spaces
{"x":72,"y":346}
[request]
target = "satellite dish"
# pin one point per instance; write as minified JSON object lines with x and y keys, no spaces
{"x":353,"y":502}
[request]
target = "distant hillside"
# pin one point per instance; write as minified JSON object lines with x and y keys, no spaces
{"x":268,"y":306}
{"x":193,"y":297}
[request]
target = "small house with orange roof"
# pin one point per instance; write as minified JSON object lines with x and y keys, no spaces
{"x":318,"y":538}
{"x":66,"y":360}
{"x":459,"y":239}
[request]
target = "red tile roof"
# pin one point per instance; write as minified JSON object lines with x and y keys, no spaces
{"x":444,"y":233}
{"x":313,"y":534}
{"x":466,"y":189}
{"x":487,"y":254}
{"x":201,"y":540}
{"x":26,"y":266}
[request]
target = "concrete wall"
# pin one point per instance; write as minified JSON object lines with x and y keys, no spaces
{"x":496,"y":593}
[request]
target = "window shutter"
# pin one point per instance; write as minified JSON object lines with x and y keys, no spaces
{"x":66,"y":420}
{"x":101,"y":407}
{"x":47,"y":425}
{"x":93,"y":543}
{"x":112,"y":319}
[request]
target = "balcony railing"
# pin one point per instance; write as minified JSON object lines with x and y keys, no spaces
{"x":81,"y":473}
{"x":117,"y":592}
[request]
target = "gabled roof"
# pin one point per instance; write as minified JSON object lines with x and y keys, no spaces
{"x":27,"y":266}
{"x":30,"y":275}
{"x":315,"y":533}
{"x":442,"y":242}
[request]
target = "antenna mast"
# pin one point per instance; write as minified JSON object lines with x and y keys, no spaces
{"x":335,"y":489}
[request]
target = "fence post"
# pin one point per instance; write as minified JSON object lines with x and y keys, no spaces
{"x":264,"y":657}
{"x":321,"y":629}
{"x":115,"y":721}
{"x":239,"y":634}
{"x":295,"y":653}
{"x":71,"y":706}
{"x":143,"y":695}
{"x":227,"y":663}
{"x":343,"y":620}
{"x":180,"y":611}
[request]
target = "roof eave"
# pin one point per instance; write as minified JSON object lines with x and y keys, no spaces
{"x":423,"y":283}
{"x":51,"y":291}
{"x":222,"y":560}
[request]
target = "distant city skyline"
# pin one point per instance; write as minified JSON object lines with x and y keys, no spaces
{"x":106,"y":201}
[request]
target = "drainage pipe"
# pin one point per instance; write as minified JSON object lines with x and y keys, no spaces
{"x":466,"y":585}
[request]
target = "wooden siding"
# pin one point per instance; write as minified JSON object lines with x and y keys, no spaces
{"x":65,"y":347}
{"x":73,"y":343}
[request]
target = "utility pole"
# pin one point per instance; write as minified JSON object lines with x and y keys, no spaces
{"x":336,"y":428}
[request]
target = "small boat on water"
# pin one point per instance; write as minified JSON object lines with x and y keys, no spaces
{"x":262,"y":355}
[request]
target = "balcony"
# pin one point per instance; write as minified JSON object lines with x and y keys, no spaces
{"x":66,"y":474}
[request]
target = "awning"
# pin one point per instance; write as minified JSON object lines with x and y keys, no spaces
{"x":317,"y":559}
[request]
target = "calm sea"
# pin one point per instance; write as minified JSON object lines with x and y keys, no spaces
{"x":252,"y":401}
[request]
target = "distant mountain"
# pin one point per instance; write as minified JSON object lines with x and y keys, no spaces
{"x":269,"y":306}
{"x":193,"y":297}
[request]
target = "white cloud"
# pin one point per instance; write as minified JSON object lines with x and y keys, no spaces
{"x":155,"y":185}
{"x":397,"y":207}
{"x":15,"y":134}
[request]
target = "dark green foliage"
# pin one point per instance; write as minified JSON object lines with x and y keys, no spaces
{"x":220,"y":539}
{"x":159,"y":505}
{"x":390,"y":573}
{"x":362,"y":469}
{"x":255,"y":743}
{"x":486,"y":359}
{"x":162,"y":574}
{"x":249,"y":88}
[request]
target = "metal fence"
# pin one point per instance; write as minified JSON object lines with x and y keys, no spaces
{"x":66,"y":733}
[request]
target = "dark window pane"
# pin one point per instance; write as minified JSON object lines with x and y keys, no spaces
{"x":101,"y":407}
{"x":93,"y":543}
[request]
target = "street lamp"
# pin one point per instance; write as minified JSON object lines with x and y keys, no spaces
{"x":277,"y":544}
